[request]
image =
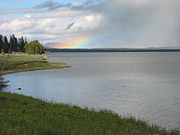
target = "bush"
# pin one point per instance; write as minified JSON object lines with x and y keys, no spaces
{"x":34,"y":47}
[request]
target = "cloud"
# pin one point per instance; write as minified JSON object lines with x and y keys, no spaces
{"x":41,"y":8}
{"x":70,"y":26}
{"x":115,"y":23}
{"x":87,"y":23}
{"x":51,"y":5}
{"x":138,"y":23}
{"x":16,"y":25}
{"x":28,"y":16}
{"x":48,"y":4}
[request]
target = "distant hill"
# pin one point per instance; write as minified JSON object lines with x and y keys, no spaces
{"x":163,"y":49}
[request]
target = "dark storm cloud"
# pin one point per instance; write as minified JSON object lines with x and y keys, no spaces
{"x":70,"y":26}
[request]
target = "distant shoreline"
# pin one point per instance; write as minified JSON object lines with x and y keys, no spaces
{"x":111,"y":50}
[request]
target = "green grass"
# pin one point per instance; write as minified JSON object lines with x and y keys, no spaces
{"x":21,"y":115}
{"x":25,"y":62}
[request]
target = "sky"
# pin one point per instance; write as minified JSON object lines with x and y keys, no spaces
{"x":93,"y":23}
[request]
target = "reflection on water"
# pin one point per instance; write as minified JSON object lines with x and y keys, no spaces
{"x":145,"y":85}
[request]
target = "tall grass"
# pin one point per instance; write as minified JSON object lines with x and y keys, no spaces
{"x":21,"y":115}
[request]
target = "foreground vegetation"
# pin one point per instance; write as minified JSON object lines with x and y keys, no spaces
{"x":21,"y":115}
{"x":26,"y":62}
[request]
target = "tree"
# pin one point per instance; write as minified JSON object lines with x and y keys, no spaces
{"x":5,"y":45}
{"x":11,"y":43}
{"x":16,"y":48}
{"x":21,"y":44}
{"x":34,"y":47}
{"x":1,"y":43}
{"x":25,"y":40}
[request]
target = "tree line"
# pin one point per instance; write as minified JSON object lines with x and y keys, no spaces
{"x":14,"y":44}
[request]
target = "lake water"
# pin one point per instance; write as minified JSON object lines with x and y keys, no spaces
{"x":144,"y":85}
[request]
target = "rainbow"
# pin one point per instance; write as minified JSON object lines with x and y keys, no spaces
{"x":76,"y":42}
{"x":91,"y":42}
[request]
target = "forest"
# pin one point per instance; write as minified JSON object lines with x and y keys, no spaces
{"x":14,"y":45}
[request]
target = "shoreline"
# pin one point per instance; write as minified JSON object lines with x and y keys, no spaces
{"x":57,"y":118}
{"x":25,"y":62}
{"x":132,"y":125}
{"x":40,"y":64}
{"x":32,"y":69}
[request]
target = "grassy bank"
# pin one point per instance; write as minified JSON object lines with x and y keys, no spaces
{"x":21,"y":115}
{"x":25,"y":62}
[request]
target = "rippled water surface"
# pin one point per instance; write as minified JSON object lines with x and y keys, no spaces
{"x":145,"y":85}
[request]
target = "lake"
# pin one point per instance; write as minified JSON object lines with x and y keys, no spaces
{"x":144,"y":85}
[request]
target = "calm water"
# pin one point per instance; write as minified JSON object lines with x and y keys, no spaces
{"x":145,"y":85}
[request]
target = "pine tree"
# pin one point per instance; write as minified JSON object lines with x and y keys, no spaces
{"x":16,"y":48}
{"x":5,"y":45}
{"x":22,"y":44}
{"x":1,"y":43}
{"x":25,"y":40}
{"x":11,"y":43}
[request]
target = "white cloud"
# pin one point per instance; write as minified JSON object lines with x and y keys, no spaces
{"x":28,"y":16}
{"x":53,"y":23}
{"x":88,"y":22}
{"x":16,"y":25}
{"x":125,"y":23}
{"x":90,"y":18}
